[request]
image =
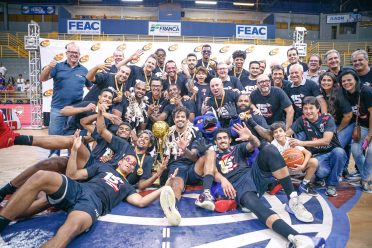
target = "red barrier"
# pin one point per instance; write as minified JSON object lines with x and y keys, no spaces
{"x":23,"y":112}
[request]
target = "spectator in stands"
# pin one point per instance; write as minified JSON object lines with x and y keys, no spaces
{"x":359,"y":59}
{"x":2,"y":86}
{"x":20,"y":83}
{"x":2,"y":78}
{"x":314,"y":64}
{"x":3,"y":69}
{"x":10,"y":87}
{"x":27,"y":86}
{"x":68,"y":83}
{"x":293,"y":58}
{"x":332,"y":58}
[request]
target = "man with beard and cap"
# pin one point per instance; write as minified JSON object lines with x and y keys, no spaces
{"x":160,"y":65}
{"x":133,"y":108}
{"x":238,"y":71}
{"x":173,"y":77}
{"x":118,"y":82}
{"x":229,"y":82}
{"x":273,"y":102}
{"x":207,"y":62}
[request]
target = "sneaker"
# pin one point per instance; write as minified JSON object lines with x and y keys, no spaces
{"x":302,"y":241}
{"x":353,"y":177}
{"x":7,"y":135}
{"x":366,"y":186}
{"x":320,"y":183}
{"x":295,"y":207}
{"x":168,"y":204}
{"x":308,"y":189}
{"x":222,"y":206}
{"x":205,"y":200}
{"x":331,"y":191}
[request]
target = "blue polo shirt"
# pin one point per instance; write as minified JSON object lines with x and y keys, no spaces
{"x":68,"y":84}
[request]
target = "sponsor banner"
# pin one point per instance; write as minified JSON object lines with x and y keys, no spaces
{"x":38,"y":10}
{"x":165,"y":28}
{"x":343,"y":18}
{"x":83,"y":26}
{"x":251,"y":32}
{"x":97,"y":52}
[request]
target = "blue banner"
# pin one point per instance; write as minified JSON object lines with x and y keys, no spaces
{"x":38,"y":10}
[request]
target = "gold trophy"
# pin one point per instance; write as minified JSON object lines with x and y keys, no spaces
{"x":160,"y":130}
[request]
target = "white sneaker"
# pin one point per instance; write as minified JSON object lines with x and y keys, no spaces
{"x":295,"y":207}
{"x":302,"y":241}
{"x":168,"y":204}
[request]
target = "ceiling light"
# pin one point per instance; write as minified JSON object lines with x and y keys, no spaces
{"x":206,"y":2}
{"x":243,"y":4}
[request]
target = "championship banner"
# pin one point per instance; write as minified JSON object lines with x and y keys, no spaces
{"x":93,"y":53}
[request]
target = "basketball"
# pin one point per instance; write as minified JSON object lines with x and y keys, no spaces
{"x":293,"y":156}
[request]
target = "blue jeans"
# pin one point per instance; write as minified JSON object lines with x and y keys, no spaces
{"x":344,"y":136}
{"x":363,"y":162}
{"x":331,"y":165}
{"x":56,"y":124}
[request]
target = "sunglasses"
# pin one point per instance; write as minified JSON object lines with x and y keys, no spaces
{"x":130,"y":161}
{"x":208,"y":52}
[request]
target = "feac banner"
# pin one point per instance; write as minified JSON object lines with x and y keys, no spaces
{"x":251,"y":32}
{"x":83,"y":26}
{"x":38,"y":10}
{"x":343,"y":18}
{"x":165,"y":28}
{"x":98,"y":52}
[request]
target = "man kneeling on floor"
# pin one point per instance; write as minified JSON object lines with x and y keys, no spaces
{"x":104,"y":188}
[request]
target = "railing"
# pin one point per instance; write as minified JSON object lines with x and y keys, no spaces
{"x":11,"y":42}
{"x":10,"y":97}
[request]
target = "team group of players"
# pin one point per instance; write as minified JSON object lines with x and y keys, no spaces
{"x":222,"y":120}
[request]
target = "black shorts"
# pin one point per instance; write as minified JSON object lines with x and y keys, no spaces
{"x":186,"y":172}
{"x":79,"y":197}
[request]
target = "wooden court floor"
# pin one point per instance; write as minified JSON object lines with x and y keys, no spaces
{"x":15,"y":159}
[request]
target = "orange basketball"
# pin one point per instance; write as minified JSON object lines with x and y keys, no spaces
{"x":293,"y":156}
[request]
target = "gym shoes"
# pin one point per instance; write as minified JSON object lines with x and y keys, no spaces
{"x":331,"y":191}
{"x":308,"y":189}
{"x":222,"y":206}
{"x":319,"y":183}
{"x":205,"y":200}
{"x":302,"y":241}
{"x":366,"y":186}
{"x":7,"y":135}
{"x":353,"y":177}
{"x":168,"y":204}
{"x":295,"y":207}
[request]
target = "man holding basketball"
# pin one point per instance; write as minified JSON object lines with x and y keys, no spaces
{"x":317,"y":132}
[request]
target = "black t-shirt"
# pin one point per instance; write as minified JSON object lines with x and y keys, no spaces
{"x":134,"y":177}
{"x":113,"y":69}
{"x":233,"y":83}
{"x":181,"y":83}
{"x":190,"y":105}
{"x":271,"y":106}
{"x":243,"y":76}
{"x":285,"y":84}
{"x":138,"y":73}
{"x":250,"y":85}
{"x":108,"y":185}
{"x":204,"y":91}
{"x":316,"y":130}
{"x":232,"y":163}
{"x":261,"y":121}
{"x":298,"y":93}
{"x":104,"y":80}
{"x":365,"y":93}
{"x":158,"y":72}
{"x":230,"y":96}
{"x":340,"y":106}
{"x":120,"y":147}
{"x":366,"y":79}
{"x":73,"y":121}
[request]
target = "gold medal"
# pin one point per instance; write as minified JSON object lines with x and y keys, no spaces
{"x":120,"y":93}
{"x":140,"y":163}
{"x":140,"y":171}
{"x":242,"y":116}
{"x":148,"y":88}
{"x":172,"y":101}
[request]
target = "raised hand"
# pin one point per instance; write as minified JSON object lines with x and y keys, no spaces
{"x":243,"y":132}
{"x":77,"y":140}
{"x":91,"y":107}
{"x":229,"y":111}
{"x":201,"y":146}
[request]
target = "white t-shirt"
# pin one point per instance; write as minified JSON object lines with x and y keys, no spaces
{"x":286,"y":145}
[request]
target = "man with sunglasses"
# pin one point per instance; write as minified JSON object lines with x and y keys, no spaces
{"x":207,"y":62}
{"x":69,"y":79}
